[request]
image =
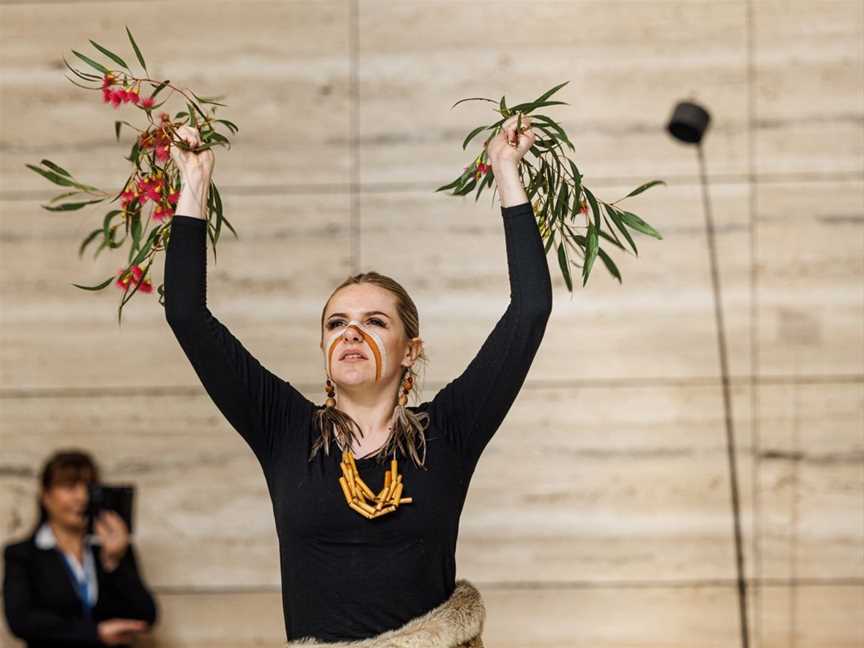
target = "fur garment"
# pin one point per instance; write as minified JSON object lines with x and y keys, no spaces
{"x":456,"y":623}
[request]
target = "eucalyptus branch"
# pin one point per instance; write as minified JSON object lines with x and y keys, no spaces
{"x":562,"y":204}
{"x":154,"y":178}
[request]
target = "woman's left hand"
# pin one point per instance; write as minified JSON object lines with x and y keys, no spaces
{"x":114,"y":536}
{"x":510,"y":145}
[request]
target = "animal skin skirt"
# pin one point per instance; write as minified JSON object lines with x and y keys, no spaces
{"x":456,"y":623}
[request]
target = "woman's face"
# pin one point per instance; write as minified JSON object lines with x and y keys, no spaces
{"x":379,"y":339}
{"x":66,"y":503}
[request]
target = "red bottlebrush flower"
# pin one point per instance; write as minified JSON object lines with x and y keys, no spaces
{"x":162,"y":153}
{"x":126,"y":197}
{"x":132,"y":97}
{"x":481,"y":168}
{"x":106,"y":95}
{"x":147,"y":102}
{"x":173,"y":197}
{"x":134,"y":277}
{"x":162,"y":212}
{"x":107,"y":80}
{"x":149,"y":188}
{"x":117,"y":97}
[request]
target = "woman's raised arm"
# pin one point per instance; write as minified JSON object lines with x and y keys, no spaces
{"x":256,"y":402}
{"x":472,"y":407}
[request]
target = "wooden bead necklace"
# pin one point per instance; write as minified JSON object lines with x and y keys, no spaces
{"x":361,"y":498}
{"x":357,"y":493}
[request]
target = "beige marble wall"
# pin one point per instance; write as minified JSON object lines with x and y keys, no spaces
{"x":621,"y":532}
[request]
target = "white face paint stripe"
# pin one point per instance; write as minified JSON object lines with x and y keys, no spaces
{"x":372,"y":339}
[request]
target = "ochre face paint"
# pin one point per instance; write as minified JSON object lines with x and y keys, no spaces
{"x":371,"y":338}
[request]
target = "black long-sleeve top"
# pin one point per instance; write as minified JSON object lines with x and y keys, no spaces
{"x":43,"y":609}
{"x":345,"y":576}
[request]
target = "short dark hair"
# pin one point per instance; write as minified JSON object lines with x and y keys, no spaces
{"x":65,"y":467}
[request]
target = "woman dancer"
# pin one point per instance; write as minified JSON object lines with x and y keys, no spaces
{"x":367,"y":491}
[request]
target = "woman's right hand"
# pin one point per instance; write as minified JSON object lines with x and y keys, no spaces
{"x":115,"y":632}
{"x":195,"y":169}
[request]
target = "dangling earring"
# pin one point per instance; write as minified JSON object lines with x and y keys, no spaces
{"x":331,"y":392}
{"x":407,"y":385}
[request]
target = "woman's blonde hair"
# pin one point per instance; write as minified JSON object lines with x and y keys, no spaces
{"x":408,"y":431}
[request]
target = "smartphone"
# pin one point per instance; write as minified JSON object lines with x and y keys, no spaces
{"x":117,"y":498}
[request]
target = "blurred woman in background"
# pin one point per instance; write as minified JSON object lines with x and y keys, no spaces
{"x":62,"y":587}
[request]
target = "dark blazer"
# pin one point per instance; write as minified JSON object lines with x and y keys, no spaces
{"x":43,"y":609}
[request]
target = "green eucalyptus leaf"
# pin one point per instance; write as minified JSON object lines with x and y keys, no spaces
{"x":63,"y":195}
{"x":119,"y":61}
{"x":97,"y":286}
{"x":471,"y":136}
{"x":134,"y":153}
{"x":471,"y":99}
{"x":565,"y":270}
{"x":561,"y":204}
{"x":57,"y":179}
{"x":610,"y":264}
{"x":92,"y":63}
{"x":217,"y":230}
{"x":640,"y":225}
{"x":106,"y":223}
{"x":450,"y":185}
{"x":550,"y":123}
{"x":550,"y":92}
{"x":81,"y":85}
{"x":211,"y":234}
{"x":502,"y":108}
{"x":209,"y":100}
{"x":197,"y":109}
{"x":72,"y":206}
{"x":55,"y":167}
{"x":550,"y":241}
{"x":591,"y":252}
{"x":526,"y":108}
{"x":192,"y":118}
{"x":145,"y":249}
{"x":579,"y":242}
{"x":595,"y":209}
{"x":614,"y":238}
{"x":615,"y":215}
{"x":159,"y":88}
{"x":467,"y":188}
{"x":135,"y":231}
{"x":643,"y":187}
{"x":87,"y":240}
{"x":138,"y":54}
{"x":214,"y":136}
{"x":231,"y":125}
{"x":485,"y":182}
{"x":217,"y":202}
{"x":86,"y":76}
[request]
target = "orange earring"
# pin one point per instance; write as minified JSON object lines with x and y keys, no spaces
{"x":331,"y":392}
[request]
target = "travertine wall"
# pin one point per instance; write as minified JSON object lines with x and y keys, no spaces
{"x":618,"y":527}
